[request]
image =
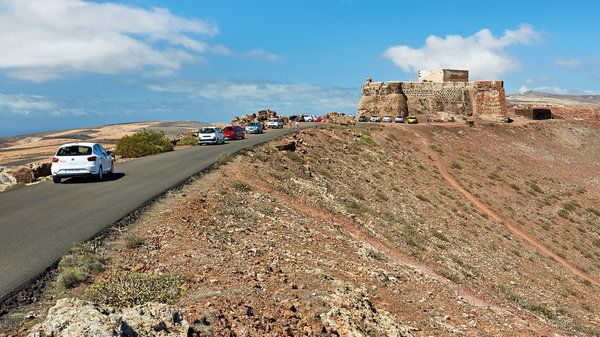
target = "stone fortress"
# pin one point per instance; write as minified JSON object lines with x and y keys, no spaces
{"x":444,"y":94}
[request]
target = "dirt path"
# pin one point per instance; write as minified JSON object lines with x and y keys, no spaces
{"x":426,"y":139}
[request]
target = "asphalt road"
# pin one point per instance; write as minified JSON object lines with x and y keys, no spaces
{"x":40,"y":223}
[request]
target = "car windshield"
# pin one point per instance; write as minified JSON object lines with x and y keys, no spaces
{"x":207,"y":130}
{"x":74,"y":150}
{"x":253,"y":124}
{"x":229,"y":128}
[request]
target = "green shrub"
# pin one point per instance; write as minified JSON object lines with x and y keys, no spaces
{"x":127,"y":289}
{"x":143,"y":143}
{"x":366,"y":140}
{"x":241,"y":186}
{"x":14,"y":186}
{"x":571,"y":206}
{"x":223,"y":158}
{"x":436,"y":148}
{"x":78,"y":265}
{"x":188,"y":141}
{"x":133,"y":241}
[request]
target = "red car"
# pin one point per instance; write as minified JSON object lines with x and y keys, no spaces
{"x":234,"y":132}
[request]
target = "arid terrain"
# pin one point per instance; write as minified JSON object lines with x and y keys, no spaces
{"x":381,"y":230}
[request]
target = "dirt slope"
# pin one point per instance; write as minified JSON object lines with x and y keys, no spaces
{"x":393,"y":230}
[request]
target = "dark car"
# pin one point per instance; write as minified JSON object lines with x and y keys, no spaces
{"x":234,"y":132}
{"x":362,"y":119}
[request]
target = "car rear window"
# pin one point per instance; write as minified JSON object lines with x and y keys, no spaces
{"x":75,"y":150}
{"x":207,"y":130}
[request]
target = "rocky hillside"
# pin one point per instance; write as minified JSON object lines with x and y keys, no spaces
{"x":396,"y":230}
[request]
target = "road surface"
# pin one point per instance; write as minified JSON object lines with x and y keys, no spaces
{"x":40,"y":223}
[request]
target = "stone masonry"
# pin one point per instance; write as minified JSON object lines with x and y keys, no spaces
{"x":442,"y":93}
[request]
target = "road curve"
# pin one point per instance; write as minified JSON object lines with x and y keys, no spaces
{"x":40,"y":223}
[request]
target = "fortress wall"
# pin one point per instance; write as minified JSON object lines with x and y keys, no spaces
{"x":483,"y":99}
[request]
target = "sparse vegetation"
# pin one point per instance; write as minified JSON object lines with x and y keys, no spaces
{"x":134,"y":241}
{"x":78,"y":265}
{"x":224,"y":158}
{"x":127,"y":289}
{"x":188,"y":141}
{"x":436,"y":148}
{"x":14,"y":186}
{"x":241,"y":186}
{"x":143,"y":143}
{"x":366,"y":140}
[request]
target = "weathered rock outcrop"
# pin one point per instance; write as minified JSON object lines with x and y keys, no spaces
{"x":75,"y":318}
{"x":338,"y":118}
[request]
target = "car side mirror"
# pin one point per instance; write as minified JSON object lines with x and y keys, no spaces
{"x":109,"y":153}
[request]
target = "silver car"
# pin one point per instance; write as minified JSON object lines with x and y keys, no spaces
{"x":254,"y":127}
{"x":375,"y":118}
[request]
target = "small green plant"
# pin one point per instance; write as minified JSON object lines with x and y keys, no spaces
{"x":14,"y":186}
{"x":392,"y":138}
{"x":366,"y":140}
{"x":241,"y":186}
{"x":563,"y":213}
{"x":456,"y":166}
{"x":421,"y":197}
{"x":143,"y":143}
{"x":571,"y":206}
{"x":127,"y":289}
{"x":78,"y":265}
{"x":436,"y":148}
{"x":188,"y":141}
{"x":133,"y":241}
{"x":535,"y":187}
{"x":593,"y":211}
{"x":224,"y":158}
{"x":293,"y":156}
{"x":440,"y":236}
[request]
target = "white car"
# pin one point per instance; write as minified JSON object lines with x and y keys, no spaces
{"x":275,"y":123}
{"x":375,"y":118}
{"x":387,"y":119}
{"x":81,"y":160}
{"x":309,"y":118}
{"x":211,"y":135}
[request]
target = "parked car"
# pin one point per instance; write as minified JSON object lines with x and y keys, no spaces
{"x":255,"y":127}
{"x":309,"y":118}
{"x":275,"y":123}
{"x":320,"y":119}
{"x":375,"y":118}
{"x":234,"y":132}
{"x":211,"y":135}
{"x":412,"y":120}
{"x":387,"y":119}
{"x":81,"y":160}
{"x":399,"y":119}
{"x":362,"y":119}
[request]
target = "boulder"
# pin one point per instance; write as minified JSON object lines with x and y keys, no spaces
{"x":5,"y":180}
{"x":21,"y":174}
{"x":285,"y":145}
{"x":73,"y":318}
{"x":41,"y":169}
{"x":337,"y":118}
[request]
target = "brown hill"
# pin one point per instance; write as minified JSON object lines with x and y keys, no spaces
{"x":542,"y":98}
{"x":397,"y":230}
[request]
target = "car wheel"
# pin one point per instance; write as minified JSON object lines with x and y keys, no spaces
{"x":56,"y":179}
{"x":100,"y":176}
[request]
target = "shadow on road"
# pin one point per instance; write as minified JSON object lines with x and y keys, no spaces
{"x":87,"y":180}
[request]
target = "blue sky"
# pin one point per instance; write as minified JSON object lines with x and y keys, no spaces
{"x":75,"y":63}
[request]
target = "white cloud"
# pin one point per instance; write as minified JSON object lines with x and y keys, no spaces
{"x":24,"y":105}
{"x":260,"y":54}
{"x":569,"y":63}
{"x":44,"y":39}
{"x":257,"y":93}
{"x":482,"y":53}
{"x":558,"y":91}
